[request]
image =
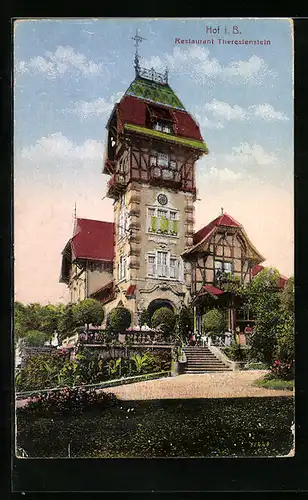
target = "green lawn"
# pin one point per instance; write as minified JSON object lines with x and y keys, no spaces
{"x":165,"y":428}
{"x":274,"y":384}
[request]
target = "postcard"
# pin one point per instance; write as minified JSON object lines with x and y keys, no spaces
{"x":153,"y":240}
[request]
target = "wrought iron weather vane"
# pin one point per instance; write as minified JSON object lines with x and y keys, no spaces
{"x":138,"y":39}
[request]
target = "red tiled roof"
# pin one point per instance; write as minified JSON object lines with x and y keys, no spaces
{"x":93,"y":240}
{"x":133,"y":110}
{"x":222,"y":220}
{"x":130,"y":291}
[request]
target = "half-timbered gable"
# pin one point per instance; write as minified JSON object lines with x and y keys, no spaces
{"x":221,"y":251}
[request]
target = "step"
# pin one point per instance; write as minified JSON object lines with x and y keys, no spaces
{"x":189,"y":372}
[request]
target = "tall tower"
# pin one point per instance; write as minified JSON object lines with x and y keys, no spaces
{"x":152,"y":146}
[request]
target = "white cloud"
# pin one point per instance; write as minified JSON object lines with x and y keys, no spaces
{"x":197,"y":63}
{"x":63,"y":60}
{"x":205,"y":122}
{"x":244,"y":163}
{"x":251,"y":154}
{"x":268,"y":113}
{"x":224,"y":112}
{"x":57,"y":147}
{"x":97,"y":107}
{"x":225,"y":174}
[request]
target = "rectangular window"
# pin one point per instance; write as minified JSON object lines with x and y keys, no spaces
{"x":166,"y":129}
{"x":151,"y":265}
{"x":158,"y":126}
{"x":162,"y":160}
{"x":122,"y":268}
{"x":162,"y":269}
{"x":153,"y":160}
{"x":228,"y":267}
{"x":173,"y":267}
{"x":163,"y":221}
{"x":161,"y":265}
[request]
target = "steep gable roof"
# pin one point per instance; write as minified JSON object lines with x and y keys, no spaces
{"x":93,"y":240}
{"x":222,"y":220}
{"x":225,"y":220}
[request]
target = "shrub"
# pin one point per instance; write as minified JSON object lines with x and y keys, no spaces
{"x":283,"y":369}
{"x":256,"y":366}
{"x":144,"y":318}
{"x":214,"y":321}
{"x":40,"y":372}
{"x":88,"y":311}
{"x":165,"y":319}
{"x":67,"y":401}
{"x":120,"y":319}
{"x":236,"y":353}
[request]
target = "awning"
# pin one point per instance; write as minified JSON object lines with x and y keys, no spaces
{"x":130,"y":291}
{"x":211,"y":290}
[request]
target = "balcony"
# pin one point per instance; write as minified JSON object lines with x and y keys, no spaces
{"x":165,"y":175}
{"x":116,"y":185}
{"x":109,"y":166}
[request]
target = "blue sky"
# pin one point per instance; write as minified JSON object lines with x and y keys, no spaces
{"x":68,"y":75}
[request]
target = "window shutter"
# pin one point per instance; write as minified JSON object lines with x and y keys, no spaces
{"x":153,"y":224}
{"x":164,"y":224}
{"x":175,"y":226}
{"x":159,"y":263}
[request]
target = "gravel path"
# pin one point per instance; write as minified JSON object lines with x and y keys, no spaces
{"x":208,"y":385}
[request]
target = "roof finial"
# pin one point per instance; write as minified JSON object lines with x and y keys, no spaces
{"x":138,"y":39}
{"x":166,"y":74}
{"x":222,"y":211}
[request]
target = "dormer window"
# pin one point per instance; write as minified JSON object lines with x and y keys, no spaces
{"x":162,"y":127}
{"x":160,"y":119}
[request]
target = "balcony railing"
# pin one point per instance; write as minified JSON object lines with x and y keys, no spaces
{"x":116,"y":184}
{"x":151,"y":74}
{"x":134,"y":337}
{"x":159,"y":173}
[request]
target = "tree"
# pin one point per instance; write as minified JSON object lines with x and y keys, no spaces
{"x":287,"y":296}
{"x":214,"y":321}
{"x":35,"y":338}
{"x":263,"y":298}
{"x":66,"y":321}
{"x":285,"y":349}
{"x":19,"y":320}
{"x":88,"y":311}
{"x":120,"y":319}
{"x":165,"y":319}
{"x":185,"y":321}
{"x":49,"y":317}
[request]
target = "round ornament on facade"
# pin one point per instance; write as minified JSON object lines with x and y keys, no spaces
{"x":162,"y":199}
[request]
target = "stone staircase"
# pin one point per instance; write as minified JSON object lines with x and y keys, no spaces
{"x":202,"y":360}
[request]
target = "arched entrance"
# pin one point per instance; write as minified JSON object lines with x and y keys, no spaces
{"x":157,"y":304}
